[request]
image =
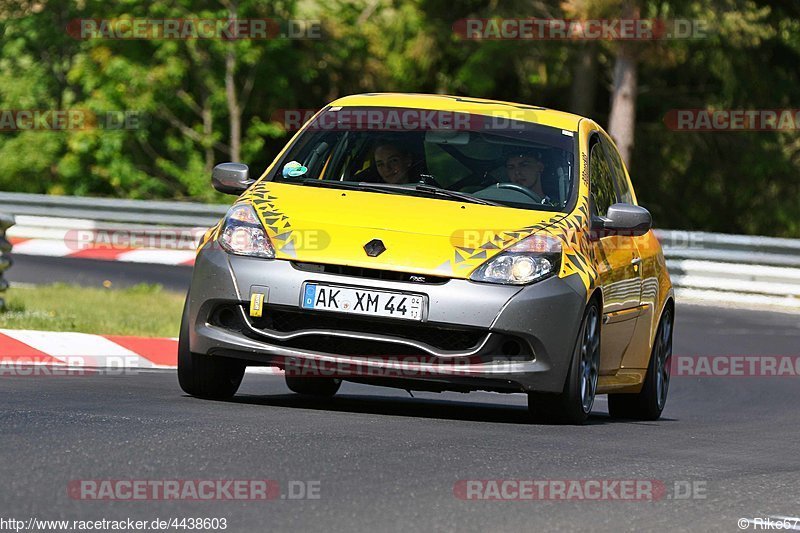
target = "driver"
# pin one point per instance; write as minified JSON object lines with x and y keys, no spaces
{"x":525,"y":167}
{"x":393,"y":161}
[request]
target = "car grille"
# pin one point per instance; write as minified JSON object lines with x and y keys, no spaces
{"x":440,"y":337}
{"x":370,"y":273}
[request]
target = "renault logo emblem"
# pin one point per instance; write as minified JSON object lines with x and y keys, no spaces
{"x":374,"y":248}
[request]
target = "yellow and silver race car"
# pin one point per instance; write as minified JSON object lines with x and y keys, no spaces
{"x":437,"y":243}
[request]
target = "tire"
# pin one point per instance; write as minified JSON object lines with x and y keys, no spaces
{"x":574,"y":403}
{"x":204,"y":376}
{"x":322,"y":387}
{"x":649,"y":403}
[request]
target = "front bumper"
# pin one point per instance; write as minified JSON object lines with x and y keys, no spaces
{"x":462,"y":344}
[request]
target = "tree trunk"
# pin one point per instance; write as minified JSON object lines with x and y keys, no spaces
{"x":622,"y":119}
{"x":234,"y":110}
{"x":208,"y":134}
{"x":584,"y":80}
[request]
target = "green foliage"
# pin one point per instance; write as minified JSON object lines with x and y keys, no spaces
{"x":732,"y":182}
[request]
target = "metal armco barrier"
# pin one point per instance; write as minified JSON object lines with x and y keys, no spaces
{"x":6,"y":221}
{"x":733,"y":268}
{"x":112,"y":210}
{"x":717,"y":267}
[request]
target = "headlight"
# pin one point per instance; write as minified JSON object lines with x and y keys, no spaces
{"x":531,"y":259}
{"x":243,"y":234}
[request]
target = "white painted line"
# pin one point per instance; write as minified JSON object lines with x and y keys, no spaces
{"x":162,"y":257}
{"x":792,"y":522}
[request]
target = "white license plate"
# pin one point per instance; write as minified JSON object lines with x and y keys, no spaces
{"x":319,"y":296}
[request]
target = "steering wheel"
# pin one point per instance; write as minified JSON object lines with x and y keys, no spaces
{"x":520,"y":189}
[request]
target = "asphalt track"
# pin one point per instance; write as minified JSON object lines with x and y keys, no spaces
{"x":387,"y":462}
{"x":93,"y":273}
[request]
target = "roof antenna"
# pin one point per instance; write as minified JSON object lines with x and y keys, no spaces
{"x":409,"y":393}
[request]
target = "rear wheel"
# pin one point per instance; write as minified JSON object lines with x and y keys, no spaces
{"x":313,"y":386}
{"x":574,"y":403}
{"x":649,"y":403}
{"x":215,"y":378}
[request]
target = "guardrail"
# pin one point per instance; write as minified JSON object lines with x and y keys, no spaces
{"x":733,"y":268}
{"x":708,"y":266}
{"x":113,"y":210}
{"x":6,"y":221}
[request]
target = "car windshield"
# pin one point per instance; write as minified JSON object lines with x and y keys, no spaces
{"x":448,"y":155}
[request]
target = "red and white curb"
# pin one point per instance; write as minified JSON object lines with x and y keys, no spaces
{"x":55,"y":248}
{"x":90,"y":239}
{"x":22,"y":350}
{"x":84,"y":350}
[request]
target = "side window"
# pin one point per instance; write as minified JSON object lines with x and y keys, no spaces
{"x":600,"y":182}
{"x":356,"y":158}
{"x":312,"y":152}
{"x":618,"y":173}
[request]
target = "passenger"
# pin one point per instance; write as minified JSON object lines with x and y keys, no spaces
{"x":394,"y":163}
{"x":525,"y":168}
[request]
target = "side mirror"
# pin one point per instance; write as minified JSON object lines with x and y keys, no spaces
{"x":231,"y":178}
{"x":624,"y":219}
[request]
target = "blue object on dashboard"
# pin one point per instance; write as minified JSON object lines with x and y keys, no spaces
{"x":293,"y":169}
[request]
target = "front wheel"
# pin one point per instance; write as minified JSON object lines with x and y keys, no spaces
{"x":574,"y":403}
{"x":213,"y":378}
{"x":649,"y":403}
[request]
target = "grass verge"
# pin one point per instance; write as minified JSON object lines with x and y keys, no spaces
{"x":145,"y":310}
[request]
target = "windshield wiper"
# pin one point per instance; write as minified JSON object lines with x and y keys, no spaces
{"x":432,"y":189}
{"x":355,"y":186}
{"x":333,"y":184}
{"x":428,"y":189}
{"x":399,"y":189}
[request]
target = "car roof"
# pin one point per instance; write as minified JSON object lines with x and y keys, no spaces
{"x":465,"y":104}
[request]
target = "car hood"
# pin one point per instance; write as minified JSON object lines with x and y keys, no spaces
{"x":420,"y":235}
